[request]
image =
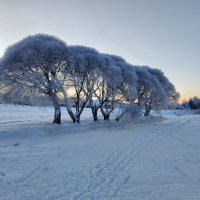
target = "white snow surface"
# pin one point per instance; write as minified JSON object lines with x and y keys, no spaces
{"x":146,"y":159}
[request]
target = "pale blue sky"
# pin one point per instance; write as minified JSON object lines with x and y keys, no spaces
{"x":160,"y":33}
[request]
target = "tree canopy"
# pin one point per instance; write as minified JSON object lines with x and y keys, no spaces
{"x":45,"y":65}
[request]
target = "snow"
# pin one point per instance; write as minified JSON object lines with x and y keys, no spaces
{"x":134,"y":160}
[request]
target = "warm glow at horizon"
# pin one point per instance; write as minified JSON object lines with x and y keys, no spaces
{"x":142,"y":35}
{"x":182,"y":100}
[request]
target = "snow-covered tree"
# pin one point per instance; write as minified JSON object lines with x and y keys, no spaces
{"x":130,"y":79}
{"x":168,"y":87}
{"x":191,"y":104}
{"x":112,"y":80}
{"x":194,"y":103}
{"x":32,"y":66}
{"x":150,"y":93}
{"x":95,"y":80}
{"x":43,"y":66}
{"x":126,"y":93}
{"x":79,"y":77}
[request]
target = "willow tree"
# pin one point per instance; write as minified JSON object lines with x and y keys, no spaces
{"x":154,"y":89}
{"x":32,"y":66}
{"x":78,"y":77}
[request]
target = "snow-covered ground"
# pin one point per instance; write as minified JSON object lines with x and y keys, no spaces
{"x":133,"y":160}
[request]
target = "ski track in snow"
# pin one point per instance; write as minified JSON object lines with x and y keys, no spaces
{"x":106,"y":179}
{"x":122,"y":173}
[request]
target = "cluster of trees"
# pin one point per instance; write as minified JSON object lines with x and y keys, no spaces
{"x":193,"y":103}
{"x":44,"y":66}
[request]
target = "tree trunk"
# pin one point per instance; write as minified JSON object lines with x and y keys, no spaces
{"x":94,"y":113}
{"x":57,"y":115}
{"x":147,"y":110}
{"x":67,"y":105}
{"x":79,"y":109}
{"x":106,"y":116}
{"x":71,"y":115}
{"x":147,"y":113}
{"x":78,"y":119}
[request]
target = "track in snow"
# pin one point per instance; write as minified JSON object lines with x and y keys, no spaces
{"x":106,"y":179}
{"x":128,"y":161}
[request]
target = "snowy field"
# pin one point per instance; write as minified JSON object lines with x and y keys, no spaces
{"x":133,"y":160}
